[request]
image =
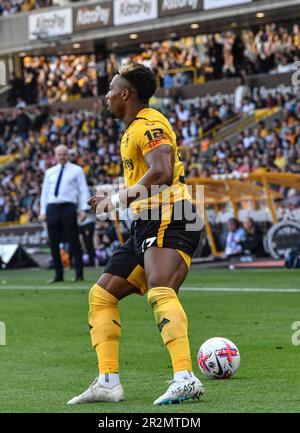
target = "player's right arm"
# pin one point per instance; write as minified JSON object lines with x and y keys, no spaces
{"x":160,"y":161}
{"x":158,"y":153}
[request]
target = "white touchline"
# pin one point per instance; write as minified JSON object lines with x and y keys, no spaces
{"x":184,"y":289}
{"x":237,"y":289}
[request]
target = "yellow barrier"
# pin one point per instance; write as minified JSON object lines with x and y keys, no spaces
{"x":253,"y":187}
{"x":6,"y":159}
{"x":262,"y":113}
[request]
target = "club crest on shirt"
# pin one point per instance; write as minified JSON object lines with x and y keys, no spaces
{"x":127,"y":163}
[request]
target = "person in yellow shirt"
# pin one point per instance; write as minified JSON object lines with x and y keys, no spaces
{"x":155,"y":260}
{"x":280,"y":159}
{"x":59,"y":120}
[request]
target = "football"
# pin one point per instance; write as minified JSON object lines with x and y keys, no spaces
{"x":218,"y":358}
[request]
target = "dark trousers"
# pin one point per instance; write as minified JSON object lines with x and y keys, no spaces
{"x":87,"y":232}
{"x":62,"y":225}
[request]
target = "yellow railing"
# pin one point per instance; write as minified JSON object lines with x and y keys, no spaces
{"x":245,"y":121}
{"x":212,"y":132}
{"x":6,"y":159}
{"x":10,"y":223}
{"x":263,"y":113}
{"x":252,"y":187}
{"x":186,"y":151}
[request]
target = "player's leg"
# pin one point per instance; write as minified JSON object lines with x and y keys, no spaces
{"x":121,"y":278}
{"x":105,"y":323}
{"x":164,"y":282}
{"x":105,"y":330}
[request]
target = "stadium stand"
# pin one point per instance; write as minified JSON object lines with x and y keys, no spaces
{"x":94,"y":140}
{"x":219,"y":134}
{"x":270,"y":48}
{"x":52,"y":79}
{"x":195,"y":59}
{"x":10,"y":7}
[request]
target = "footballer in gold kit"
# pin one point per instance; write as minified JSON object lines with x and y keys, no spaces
{"x":155,"y":260}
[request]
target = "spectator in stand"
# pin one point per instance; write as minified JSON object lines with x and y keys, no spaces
{"x":183,"y":114}
{"x":23,"y":123}
{"x":10,"y":7}
{"x":17,"y":89}
{"x":280,"y":159}
{"x":248,"y":107}
{"x":54,"y":78}
{"x":3,"y":124}
{"x":272,"y":48}
{"x":241,"y":92}
{"x":216,"y":56}
{"x":235,"y":236}
{"x":238,"y":53}
{"x":253,"y":242}
{"x":107,"y":241}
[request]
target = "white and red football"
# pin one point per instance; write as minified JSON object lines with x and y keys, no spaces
{"x":218,"y":358}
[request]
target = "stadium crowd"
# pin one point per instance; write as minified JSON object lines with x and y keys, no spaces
{"x":271,"y":48}
{"x":55,"y":78}
{"x":10,"y":7}
{"x":94,"y":141}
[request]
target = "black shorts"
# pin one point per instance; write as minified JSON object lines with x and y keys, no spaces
{"x":178,"y":228}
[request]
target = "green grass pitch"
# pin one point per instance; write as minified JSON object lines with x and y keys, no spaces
{"x":48,"y":357}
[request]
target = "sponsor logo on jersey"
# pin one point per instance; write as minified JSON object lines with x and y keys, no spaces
{"x":155,"y":142}
{"x":127,"y":163}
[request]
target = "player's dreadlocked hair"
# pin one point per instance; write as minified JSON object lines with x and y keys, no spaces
{"x":141,"y":78}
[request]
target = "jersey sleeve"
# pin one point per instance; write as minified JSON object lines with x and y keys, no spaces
{"x":152,"y":135}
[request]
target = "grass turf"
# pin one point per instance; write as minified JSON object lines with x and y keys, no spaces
{"x":48,"y":358}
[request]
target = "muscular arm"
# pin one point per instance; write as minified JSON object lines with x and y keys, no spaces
{"x":161,"y":172}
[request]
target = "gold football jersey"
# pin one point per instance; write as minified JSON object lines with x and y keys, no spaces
{"x":149,"y":130}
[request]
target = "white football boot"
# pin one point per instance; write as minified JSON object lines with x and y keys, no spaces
{"x":99,"y":393}
{"x":181,"y":390}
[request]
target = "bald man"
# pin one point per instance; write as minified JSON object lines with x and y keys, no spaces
{"x":64,"y":197}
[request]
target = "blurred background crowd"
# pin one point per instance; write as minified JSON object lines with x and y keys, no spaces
{"x":270,"y":48}
{"x":33,"y":128}
{"x":93,"y":138}
{"x":55,"y":78}
{"x":9,"y":7}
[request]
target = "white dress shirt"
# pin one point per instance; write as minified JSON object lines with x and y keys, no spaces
{"x":72,"y":189}
{"x":232,"y":247}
